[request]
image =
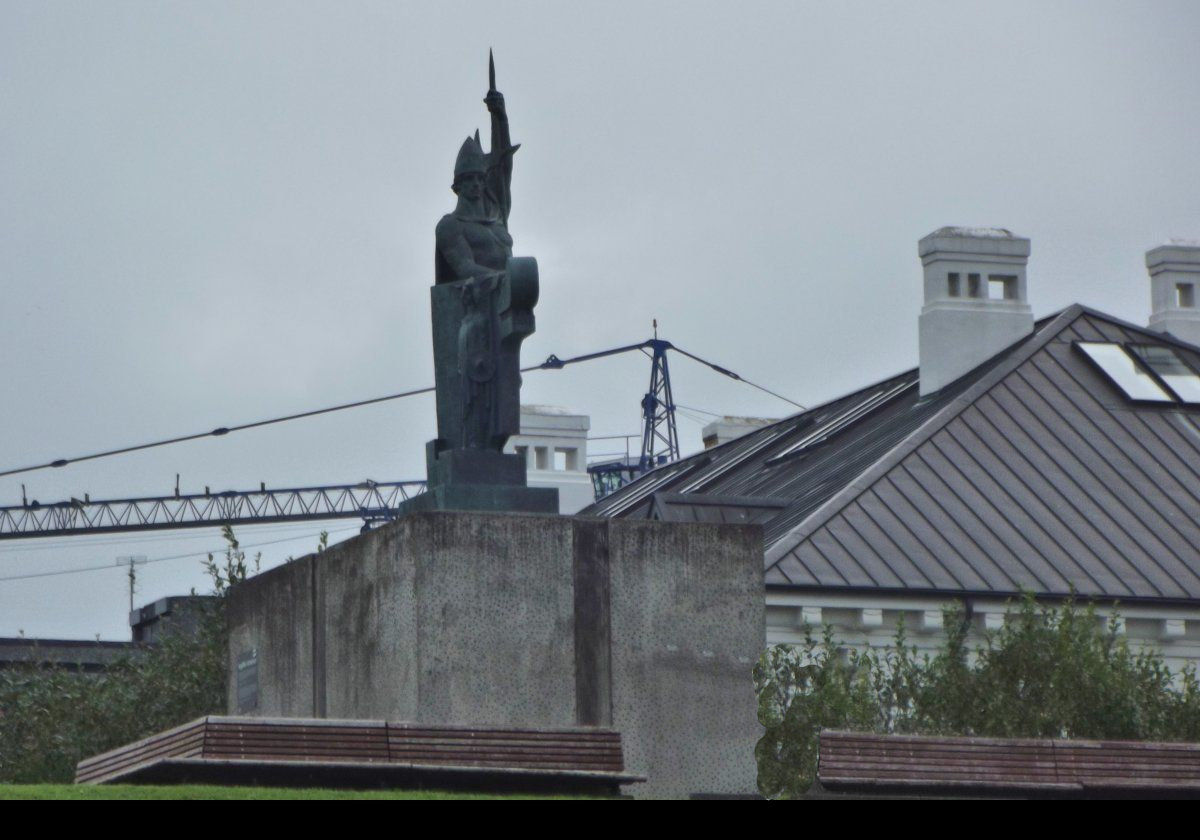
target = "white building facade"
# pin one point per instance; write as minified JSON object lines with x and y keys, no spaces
{"x":553,"y":442}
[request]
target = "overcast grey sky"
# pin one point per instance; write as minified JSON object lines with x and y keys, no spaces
{"x":212,"y":213}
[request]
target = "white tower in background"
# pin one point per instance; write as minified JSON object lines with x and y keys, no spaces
{"x":554,"y":443}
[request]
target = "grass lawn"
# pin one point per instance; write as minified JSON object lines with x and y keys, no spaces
{"x":218,"y":792}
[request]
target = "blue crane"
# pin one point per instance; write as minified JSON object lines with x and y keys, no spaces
{"x":660,"y":437}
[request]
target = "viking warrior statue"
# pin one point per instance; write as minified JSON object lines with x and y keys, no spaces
{"x":483,"y":297}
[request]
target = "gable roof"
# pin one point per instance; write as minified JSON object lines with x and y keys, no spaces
{"x":1031,"y":473}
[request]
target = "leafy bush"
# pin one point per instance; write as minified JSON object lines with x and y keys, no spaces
{"x":1048,"y":672}
{"x":51,"y":717}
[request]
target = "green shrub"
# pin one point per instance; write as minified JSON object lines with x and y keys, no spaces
{"x":51,"y":717}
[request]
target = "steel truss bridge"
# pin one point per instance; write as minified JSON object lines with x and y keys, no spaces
{"x":370,"y":501}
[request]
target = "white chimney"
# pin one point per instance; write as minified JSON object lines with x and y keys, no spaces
{"x":725,"y":429}
{"x":975,"y":300}
{"x":1175,"y":289}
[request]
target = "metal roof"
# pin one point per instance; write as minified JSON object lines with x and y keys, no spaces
{"x":1032,"y":473}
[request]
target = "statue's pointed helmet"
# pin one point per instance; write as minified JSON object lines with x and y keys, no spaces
{"x":470,"y":158}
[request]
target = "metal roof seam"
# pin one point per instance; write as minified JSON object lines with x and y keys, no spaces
{"x":866,"y":510}
{"x":1010,"y":461}
{"x":1106,"y":534}
{"x":841,"y":544}
{"x":1012,"y":503}
{"x":940,"y":558}
{"x":941,"y":475}
{"x":857,"y":532}
{"x":963,"y":549}
{"x":825,"y":557}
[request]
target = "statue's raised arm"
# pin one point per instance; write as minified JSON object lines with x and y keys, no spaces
{"x":501,"y":157}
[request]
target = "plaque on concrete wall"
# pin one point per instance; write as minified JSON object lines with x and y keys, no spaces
{"x":247,"y":681}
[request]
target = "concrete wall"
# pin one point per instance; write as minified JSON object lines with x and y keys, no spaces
{"x":687,"y":628}
{"x":449,"y":618}
{"x":271,"y":620}
{"x":649,"y":628}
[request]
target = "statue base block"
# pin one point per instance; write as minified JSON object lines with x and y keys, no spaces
{"x":447,"y":467}
{"x":484,"y":497}
{"x":479,"y":479}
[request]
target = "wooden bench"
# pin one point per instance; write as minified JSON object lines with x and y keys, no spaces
{"x":921,"y":765}
{"x":292,"y":751}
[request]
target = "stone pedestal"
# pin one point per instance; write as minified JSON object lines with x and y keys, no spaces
{"x":649,"y":628}
{"x":479,"y":479}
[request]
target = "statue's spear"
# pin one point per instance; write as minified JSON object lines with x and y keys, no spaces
{"x":507,"y":149}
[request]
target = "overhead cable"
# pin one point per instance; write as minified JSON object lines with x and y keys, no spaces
{"x":217,"y":432}
{"x":732,"y":375}
{"x":552,"y":363}
{"x":162,"y":559}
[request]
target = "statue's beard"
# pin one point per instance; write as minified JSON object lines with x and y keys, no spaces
{"x":474,"y":209}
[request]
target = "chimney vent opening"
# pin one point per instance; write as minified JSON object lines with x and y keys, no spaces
{"x":1185,"y":295}
{"x":1002,"y":287}
{"x":953,"y":286}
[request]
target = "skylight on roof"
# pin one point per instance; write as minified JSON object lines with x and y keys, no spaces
{"x":1171,"y":369}
{"x":1136,"y":381}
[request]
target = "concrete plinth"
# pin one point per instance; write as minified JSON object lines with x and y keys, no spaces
{"x":478,"y":479}
{"x":649,"y":628}
{"x":484,"y":497}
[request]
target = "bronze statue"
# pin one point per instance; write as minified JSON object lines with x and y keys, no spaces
{"x":477,"y":359}
{"x":483,"y":302}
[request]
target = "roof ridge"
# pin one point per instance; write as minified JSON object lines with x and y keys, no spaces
{"x":1147,"y":331}
{"x":1020,"y":352}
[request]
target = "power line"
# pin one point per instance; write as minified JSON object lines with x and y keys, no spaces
{"x":700,"y":410}
{"x":217,"y":432}
{"x":732,"y":375}
{"x":688,"y":415}
{"x":163,"y":559}
{"x":53,"y":544}
{"x":552,"y":363}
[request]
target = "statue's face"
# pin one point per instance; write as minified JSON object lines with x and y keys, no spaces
{"x":470,"y":185}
